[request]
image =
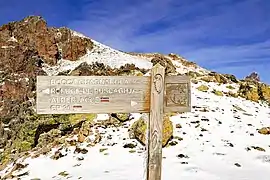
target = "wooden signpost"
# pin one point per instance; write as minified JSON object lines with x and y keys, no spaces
{"x":156,"y":95}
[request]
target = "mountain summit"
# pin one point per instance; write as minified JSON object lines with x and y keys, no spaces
{"x":253,"y":76}
{"x":225,"y":136}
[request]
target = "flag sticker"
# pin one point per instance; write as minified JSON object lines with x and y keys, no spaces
{"x":77,"y":106}
{"x":104,"y":99}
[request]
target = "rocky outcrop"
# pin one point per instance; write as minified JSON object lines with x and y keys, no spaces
{"x":264,"y":92}
{"x":219,"y":78}
{"x":254,"y":91}
{"x":31,"y":131}
{"x":16,"y":95}
{"x":165,"y":62}
{"x":71,"y":47}
{"x":100,"y":69}
{"x":46,"y":43}
{"x":254,"y":76}
{"x":24,"y":47}
{"x":215,"y":77}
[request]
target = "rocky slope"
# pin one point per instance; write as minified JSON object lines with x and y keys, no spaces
{"x":220,"y":101}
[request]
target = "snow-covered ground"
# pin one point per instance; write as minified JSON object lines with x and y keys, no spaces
{"x":223,"y":151}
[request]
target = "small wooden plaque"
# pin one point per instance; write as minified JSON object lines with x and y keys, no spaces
{"x":177,"y":94}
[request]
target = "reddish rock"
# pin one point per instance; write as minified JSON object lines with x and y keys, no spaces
{"x":33,"y":33}
{"x":24,"y":47}
{"x":73,"y":47}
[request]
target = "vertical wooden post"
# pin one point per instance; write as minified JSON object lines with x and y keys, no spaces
{"x":154,"y":158}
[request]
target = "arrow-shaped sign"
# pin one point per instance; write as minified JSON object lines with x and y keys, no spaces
{"x":46,"y":91}
{"x":133,"y":103}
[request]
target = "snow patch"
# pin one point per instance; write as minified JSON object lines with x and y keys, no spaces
{"x":75,"y":33}
{"x":13,"y":39}
{"x":6,"y":47}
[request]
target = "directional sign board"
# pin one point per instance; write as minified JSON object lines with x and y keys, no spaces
{"x":107,"y":94}
{"x":119,"y":94}
{"x":92,"y":94}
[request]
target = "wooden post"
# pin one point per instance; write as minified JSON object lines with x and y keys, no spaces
{"x":154,"y":158}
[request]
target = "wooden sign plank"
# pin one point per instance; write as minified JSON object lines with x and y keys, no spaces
{"x":155,"y":124}
{"x":92,"y":94}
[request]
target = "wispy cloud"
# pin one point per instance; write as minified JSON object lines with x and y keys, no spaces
{"x":216,"y":34}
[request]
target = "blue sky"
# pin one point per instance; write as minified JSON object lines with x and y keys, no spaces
{"x":228,"y":36}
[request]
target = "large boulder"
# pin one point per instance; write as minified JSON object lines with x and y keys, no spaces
{"x":264,"y":130}
{"x":138,"y":131}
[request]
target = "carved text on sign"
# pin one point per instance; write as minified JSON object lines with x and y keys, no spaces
{"x":177,"y":94}
{"x":92,"y":81}
{"x":92,"y":91}
{"x":74,"y":99}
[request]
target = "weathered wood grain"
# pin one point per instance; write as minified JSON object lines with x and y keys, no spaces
{"x":92,"y":94}
{"x":155,"y":124}
{"x":177,"y":94}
